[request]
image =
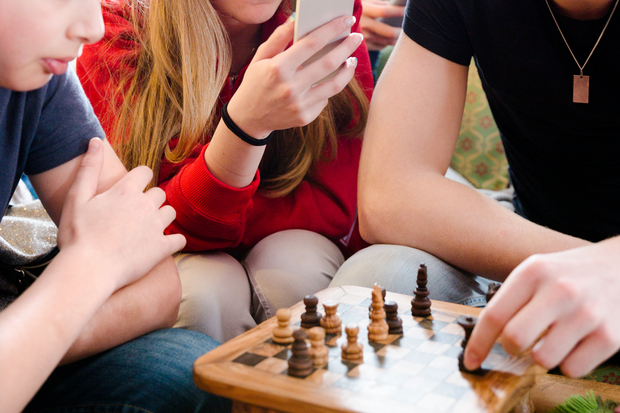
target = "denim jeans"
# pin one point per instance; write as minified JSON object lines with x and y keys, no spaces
{"x":395,"y":268}
{"x":153,"y":373}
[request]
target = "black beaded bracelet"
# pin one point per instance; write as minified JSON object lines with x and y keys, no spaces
{"x":241,"y":134}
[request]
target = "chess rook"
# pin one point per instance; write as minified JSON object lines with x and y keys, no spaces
{"x":352,"y":350}
{"x":300,"y":362}
{"x":311,"y":318}
{"x":331,"y":322}
{"x":395,"y":323}
{"x":378,"y":327}
{"x":283,"y":333}
{"x":318,"y":350}
{"x":420,"y":304}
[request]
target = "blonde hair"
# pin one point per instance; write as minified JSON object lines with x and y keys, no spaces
{"x":184,"y":61}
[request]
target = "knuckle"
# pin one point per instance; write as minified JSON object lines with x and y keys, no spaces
{"x":588,"y":315}
{"x":606,"y":337}
{"x":513,"y":339}
{"x":330,"y":65}
{"x":567,"y":290}
{"x":313,"y":44}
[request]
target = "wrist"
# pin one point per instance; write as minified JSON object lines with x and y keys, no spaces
{"x":81,"y":263}
{"x":244,"y":127}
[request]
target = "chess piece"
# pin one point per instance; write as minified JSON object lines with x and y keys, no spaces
{"x":330,"y":321}
{"x":383,"y":292}
{"x":352,"y":350}
{"x":420,"y":304}
{"x":468,"y":323}
{"x":283,"y":333}
{"x":378,"y":327}
{"x":318,"y":350}
{"x":311,"y":318}
{"x":395,"y":323}
{"x":493,"y":287}
{"x":300,"y":363}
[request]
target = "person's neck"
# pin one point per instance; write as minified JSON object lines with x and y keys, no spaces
{"x":584,"y":9}
{"x":244,"y":39}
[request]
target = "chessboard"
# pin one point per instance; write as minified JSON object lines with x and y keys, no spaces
{"x":413,"y":372}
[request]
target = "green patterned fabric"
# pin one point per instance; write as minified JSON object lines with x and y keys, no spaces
{"x":479,"y":154}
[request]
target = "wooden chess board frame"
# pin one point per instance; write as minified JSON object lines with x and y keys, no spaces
{"x":256,"y":390}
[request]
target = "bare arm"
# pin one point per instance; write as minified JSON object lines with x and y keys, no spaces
{"x":149,"y":304}
{"x":107,"y":241}
{"x":404,"y":197}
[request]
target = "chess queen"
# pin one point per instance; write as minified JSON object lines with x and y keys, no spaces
{"x":260,"y":166}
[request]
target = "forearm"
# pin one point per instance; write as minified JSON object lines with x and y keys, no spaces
{"x":404,"y":197}
{"x":56,"y":308}
{"x":456,"y":224}
{"x":149,"y":304}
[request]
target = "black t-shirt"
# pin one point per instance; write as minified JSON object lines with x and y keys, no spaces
{"x":42,"y":129}
{"x":563,"y":156}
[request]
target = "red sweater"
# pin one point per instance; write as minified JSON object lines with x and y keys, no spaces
{"x":211,"y":214}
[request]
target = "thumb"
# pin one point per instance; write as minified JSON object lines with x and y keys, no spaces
{"x":87,"y":178}
{"x":277,"y":42}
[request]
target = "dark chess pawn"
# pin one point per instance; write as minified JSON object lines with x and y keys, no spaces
{"x":395,"y":323}
{"x":311,"y":318}
{"x":300,"y":362}
{"x":421,"y":304}
{"x":468,"y":323}
{"x":493,"y":287}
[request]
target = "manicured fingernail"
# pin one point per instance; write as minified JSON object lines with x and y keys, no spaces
{"x":352,"y":61}
{"x":350,"y":21}
{"x":357,"y":38}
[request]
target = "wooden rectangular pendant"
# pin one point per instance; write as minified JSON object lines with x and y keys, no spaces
{"x":581,"y":89}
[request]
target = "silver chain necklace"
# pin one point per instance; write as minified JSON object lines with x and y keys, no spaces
{"x":581,"y":83}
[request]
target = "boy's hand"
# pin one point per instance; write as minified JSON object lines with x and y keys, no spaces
{"x":120,"y":229}
{"x":565,"y":303}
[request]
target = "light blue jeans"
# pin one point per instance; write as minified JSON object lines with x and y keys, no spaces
{"x":153,"y":373}
{"x":395,"y":268}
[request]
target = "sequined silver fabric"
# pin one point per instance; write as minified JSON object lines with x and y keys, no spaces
{"x":26,"y":234}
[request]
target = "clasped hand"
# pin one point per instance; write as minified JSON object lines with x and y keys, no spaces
{"x":120,"y":229}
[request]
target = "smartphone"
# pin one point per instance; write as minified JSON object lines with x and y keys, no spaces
{"x":312,"y":14}
{"x":394,"y":21}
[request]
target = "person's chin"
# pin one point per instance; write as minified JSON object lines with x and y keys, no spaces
{"x":26,"y":83}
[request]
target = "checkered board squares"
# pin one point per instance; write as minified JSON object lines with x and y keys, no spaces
{"x":417,"y":369}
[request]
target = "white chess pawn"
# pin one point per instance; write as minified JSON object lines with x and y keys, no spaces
{"x":283,"y":333}
{"x":318,"y":351}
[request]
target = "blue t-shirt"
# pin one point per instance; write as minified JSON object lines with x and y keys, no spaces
{"x":42,"y":129}
{"x":563,"y":156}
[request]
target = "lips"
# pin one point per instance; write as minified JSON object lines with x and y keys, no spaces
{"x":55,"y":66}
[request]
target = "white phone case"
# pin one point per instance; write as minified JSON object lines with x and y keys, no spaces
{"x":312,"y":14}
